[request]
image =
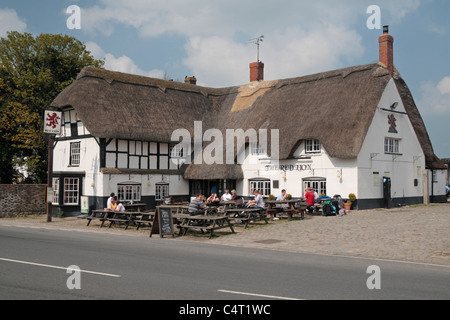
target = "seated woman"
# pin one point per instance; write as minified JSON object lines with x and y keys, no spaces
{"x":213,"y":199}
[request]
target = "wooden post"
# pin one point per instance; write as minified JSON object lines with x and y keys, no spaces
{"x":50,"y":174}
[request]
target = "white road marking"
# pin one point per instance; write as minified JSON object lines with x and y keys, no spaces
{"x":61,"y":268}
{"x":258,"y":295}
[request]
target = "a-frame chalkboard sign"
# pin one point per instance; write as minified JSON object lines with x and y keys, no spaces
{"x":163,"y":224}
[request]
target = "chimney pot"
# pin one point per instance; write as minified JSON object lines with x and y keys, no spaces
{"x":190,"y":80}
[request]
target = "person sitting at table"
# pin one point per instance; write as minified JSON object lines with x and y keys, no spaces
{"x":233,"y":195}
{"x":310,"y":199}
{"x":226,"y":196}
{"x":213,"y":199}
{"x":113,"y":205}
{"x":119,"y":206}
{"x":258,"y":202}
{"x":282,"y":195}
{"x":197,"y":207}
{"x":109,"y":201}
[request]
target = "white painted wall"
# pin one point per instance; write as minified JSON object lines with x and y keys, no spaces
{"x":340,"y":174}
{"x":402,"y":169}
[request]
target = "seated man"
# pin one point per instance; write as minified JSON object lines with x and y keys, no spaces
{"x":197,"y":207}
{"x":226,"y":196}
{"x":282,"y":196}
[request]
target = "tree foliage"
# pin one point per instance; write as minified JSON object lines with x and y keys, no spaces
{"x":33,"y":71}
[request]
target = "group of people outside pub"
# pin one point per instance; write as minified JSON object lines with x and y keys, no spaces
{"x":198,"y":204}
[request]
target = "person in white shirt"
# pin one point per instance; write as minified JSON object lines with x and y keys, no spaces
{"x":108,"y":203}
{"x":120,"y":207}
{"x":226,"y":196}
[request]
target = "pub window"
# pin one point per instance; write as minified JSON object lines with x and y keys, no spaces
{"x":55,"y":185}
{"x":75,"y":154}
{"x":391,"y":145}
{"x":161,"y":191}
{"x":129,"y":192}
{"x":319,"y":186}
{"x":312,"y":146}
{"x":256,"y":149}
{"x":261,"y":185}
{"x":71,"y":191}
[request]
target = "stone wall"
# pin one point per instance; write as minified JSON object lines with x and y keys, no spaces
{"x":22,"y":199}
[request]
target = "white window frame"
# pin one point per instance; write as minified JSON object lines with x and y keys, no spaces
{"x":71,"y":191}
{"x":55,"y":184}
{"x":313,"y":146}
{"x":129,"y":192}
{"x":263,"y":185}
{"x":391,"y":145}
{"x":161,"y":191}
{"x":319,"y":185}
{"x":256,"y":149}
{"x":75,"y":154}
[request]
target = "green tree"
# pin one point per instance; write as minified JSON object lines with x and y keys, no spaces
{"x":33,"y":71}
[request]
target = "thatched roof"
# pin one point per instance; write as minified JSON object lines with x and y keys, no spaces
{"x":335,"y":107}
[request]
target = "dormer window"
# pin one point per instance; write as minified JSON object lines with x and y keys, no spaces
{"x":256,"y":149}
{"x":312,"y":146}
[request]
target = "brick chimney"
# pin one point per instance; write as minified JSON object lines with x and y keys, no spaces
{"x":190,"y":80}
{"x":256,"y":71}
{"x":386,"y":42}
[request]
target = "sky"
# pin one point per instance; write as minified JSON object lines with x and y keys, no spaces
{"x":209,"y":39}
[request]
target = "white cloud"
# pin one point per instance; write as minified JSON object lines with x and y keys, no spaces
{"x":221,"y":62}
{"x":301,"y":37}
{"x":10,"y":21}
{"x":444,"y":86}
{"x":121,"y":64}
{"x":435,"y":98}
{"x":223,"y":18}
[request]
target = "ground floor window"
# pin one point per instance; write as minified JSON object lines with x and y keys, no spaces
{"x":71,"y":191}
{"x":161,"y":191}
{"x":55,"y":185}
{"x":262,"y":185}
{"x":129,"y":192}
{"x":319,"y":185}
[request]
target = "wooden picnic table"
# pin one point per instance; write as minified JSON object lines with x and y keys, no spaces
{"x":139,"y":206}
{"x":176,"y":208}
{"x":126,"y":217}
{"x":98,"y":214}
{"x":246,"y":215}
{"x":205,"y":222}
{"x":286,"y":206}
{"x":146,"y":217}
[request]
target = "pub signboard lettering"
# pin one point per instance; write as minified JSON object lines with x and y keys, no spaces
{"x":289,"y":167}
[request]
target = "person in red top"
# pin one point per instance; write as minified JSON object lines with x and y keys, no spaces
{"x":310,"y":199}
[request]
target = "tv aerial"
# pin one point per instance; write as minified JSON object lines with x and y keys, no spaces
{"x":257,"y":41}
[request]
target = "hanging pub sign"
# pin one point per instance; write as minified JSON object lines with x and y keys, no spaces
{"x":52,"y":122}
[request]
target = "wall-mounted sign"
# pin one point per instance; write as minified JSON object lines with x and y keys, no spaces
{"x":289,"y":167}
{"x":50,"y":194}
{"x":84,"y":204}
{"x":52,"y":122}
{"x":392,"y":123}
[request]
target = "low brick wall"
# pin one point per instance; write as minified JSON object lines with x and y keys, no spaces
{"x":22,"y":199}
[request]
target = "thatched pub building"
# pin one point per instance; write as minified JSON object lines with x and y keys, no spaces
{"x":345,"y":131}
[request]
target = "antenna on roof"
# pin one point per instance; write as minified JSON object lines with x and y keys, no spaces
{"x":257,"y":41}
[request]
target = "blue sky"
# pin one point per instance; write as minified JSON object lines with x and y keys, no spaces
{"x":208,"y":39}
